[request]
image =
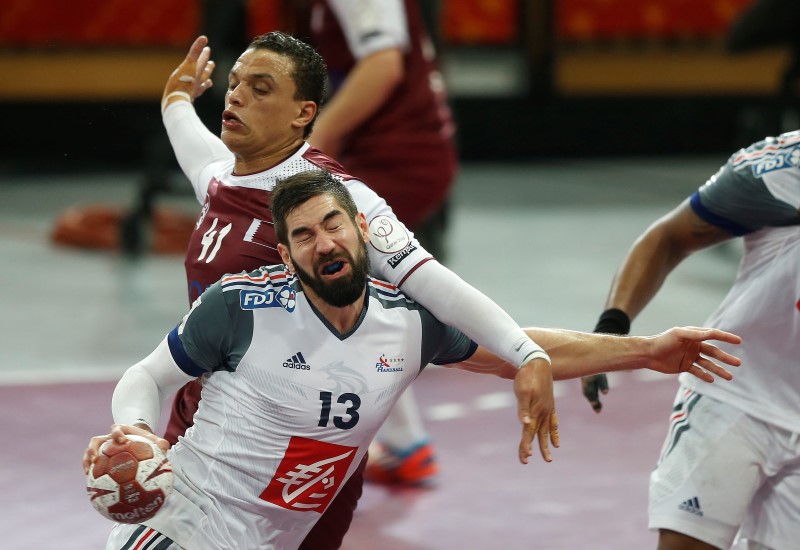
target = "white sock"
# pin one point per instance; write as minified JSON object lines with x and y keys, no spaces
{"x":403,"y":429}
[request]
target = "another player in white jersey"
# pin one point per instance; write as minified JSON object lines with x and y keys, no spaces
{"x":301,"y":364}
{"x":731,"y":460}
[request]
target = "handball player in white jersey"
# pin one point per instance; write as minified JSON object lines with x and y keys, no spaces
{"x":302,"y":362}
{"x":731,"y":460}
{"x":274,"y":91}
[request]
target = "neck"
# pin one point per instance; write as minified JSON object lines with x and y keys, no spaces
{"x":343,"y":319}
{"x":251,"y":164}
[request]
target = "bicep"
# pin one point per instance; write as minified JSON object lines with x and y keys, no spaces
{"x":685,"y":231}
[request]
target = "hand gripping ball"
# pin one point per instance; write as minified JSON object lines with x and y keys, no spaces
{"x":129,"y":482}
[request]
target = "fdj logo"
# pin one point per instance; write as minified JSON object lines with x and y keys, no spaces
{"x":257,"y":299}
{"x":778,"y":161}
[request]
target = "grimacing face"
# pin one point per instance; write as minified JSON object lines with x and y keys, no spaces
{"x":345,"y":290}
{"x":261,"y":112}
{"x":327,"y":250}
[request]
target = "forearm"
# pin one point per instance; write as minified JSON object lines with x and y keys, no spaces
{"x":575,"y":354}
{"x":141,"y":391}
{"x":456,"y":303}
{"x":643,"y":272}
{"x":194,"y":145}
{"x":365,"y":90}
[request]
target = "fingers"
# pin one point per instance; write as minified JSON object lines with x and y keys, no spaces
{"x":528,"y":433}
{"x":711,"y":366}
{"x":700,"y":334}
{"x":694,"y":370}
{"x":590,"y":391}
{"x":592,"y":387}
{"x":713,"y":351}
{"x":90,"y":454}
{"x":546,"y":433}
{"x":555,"y":438}
{"x":544,"y":442}
{"x":703,"y":368}
{"x":196,"y":49}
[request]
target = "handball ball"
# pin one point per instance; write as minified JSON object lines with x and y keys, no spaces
{"x":129,"y":482}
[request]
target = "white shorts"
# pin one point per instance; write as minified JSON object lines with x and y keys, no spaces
{"x":721,"y":469}
{"x":129,"y":536}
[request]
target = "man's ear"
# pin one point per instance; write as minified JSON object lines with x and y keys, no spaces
{"x":363,"y":226}
{"x":283,"y":250}
{"x":308,"y":110}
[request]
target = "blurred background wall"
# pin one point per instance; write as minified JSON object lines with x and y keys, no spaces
{"x":81,"y":80}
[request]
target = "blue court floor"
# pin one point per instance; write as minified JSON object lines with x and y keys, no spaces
{"x":542,"y":239}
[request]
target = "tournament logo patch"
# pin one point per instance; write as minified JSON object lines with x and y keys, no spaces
{"x":258,"y":299}
{"x":387,"y":235}
{"x":309,"y":475}
{"x":778,"y":161}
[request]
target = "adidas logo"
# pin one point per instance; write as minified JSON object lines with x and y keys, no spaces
{"x":297,"y":361}
{"x":692,"y":505}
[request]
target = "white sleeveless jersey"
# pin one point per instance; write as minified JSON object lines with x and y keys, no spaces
{"x":757,"y":195}
{"x":289,"y":405}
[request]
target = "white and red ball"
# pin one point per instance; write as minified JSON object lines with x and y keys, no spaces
{"x":129,"y":482}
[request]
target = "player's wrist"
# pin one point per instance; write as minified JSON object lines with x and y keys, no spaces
{"x":613,"y":321}
{"x":526,"y":350}
{"x":172,"y":97}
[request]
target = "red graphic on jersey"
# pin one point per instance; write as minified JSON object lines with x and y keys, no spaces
{"x":309,"y":475}
{"x":798,"y":304}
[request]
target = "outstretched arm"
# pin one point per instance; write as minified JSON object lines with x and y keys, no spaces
{"x":196,"y":148}
{"x":575,"y":354}
{"x":659,"y":250}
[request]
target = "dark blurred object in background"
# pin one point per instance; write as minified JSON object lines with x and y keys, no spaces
{"x":769,"y":24}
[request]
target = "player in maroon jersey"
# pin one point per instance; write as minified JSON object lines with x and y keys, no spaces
{"x":388,"y":122}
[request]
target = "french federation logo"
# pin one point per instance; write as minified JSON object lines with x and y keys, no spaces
{"x":385,"y":364}
{"x":258,"y":299}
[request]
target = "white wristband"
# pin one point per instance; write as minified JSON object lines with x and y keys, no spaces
{"x":527,"y":350}
{"x":164,"y":101}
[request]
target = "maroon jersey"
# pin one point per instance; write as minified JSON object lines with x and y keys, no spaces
{"x":405,"y":150}
{"x":235,"y":231}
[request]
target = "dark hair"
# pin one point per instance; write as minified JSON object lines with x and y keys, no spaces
{"x":310,"y":74}
{"x":295,"y":190}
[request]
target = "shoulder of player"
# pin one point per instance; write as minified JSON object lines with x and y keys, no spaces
{"x":771,"y":153}
{"x":390,"y":296}
{"x":268,"y":276}
{"x":318,"y":159}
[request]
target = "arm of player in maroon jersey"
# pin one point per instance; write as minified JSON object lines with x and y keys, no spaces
{"x":576,"y":354}
{"x":195,"y":147}
{"x":367,"y":87}
{"x":379,"y":68}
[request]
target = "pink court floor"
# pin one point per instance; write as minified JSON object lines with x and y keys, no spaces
{"x":593,"y":494}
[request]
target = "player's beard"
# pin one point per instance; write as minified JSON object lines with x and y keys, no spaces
{"x":345,"y":290}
